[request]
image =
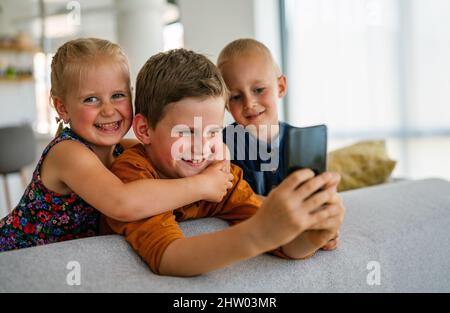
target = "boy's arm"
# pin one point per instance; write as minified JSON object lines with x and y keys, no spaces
{"x":283,"y":216}
{"x":207,"y":252}
{"x":264,"y":231}
{"x":160,"y":242}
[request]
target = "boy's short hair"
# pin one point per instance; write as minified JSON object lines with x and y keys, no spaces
{"x":242,"y":46}
{"x":173,"y":75}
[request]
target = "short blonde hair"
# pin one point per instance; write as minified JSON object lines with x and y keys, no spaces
{"x":80,"y":54}
{"x":242,"y":46}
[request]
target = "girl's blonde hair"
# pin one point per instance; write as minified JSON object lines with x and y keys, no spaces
{"x":78,"y":55}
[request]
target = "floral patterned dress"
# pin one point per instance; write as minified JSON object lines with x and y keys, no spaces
{"x":43,"y":216}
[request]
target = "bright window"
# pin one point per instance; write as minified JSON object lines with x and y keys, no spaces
{"x":374,"y":69}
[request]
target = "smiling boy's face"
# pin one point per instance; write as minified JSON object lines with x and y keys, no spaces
{"x":174,"y":150}
{"x":255,"y":87}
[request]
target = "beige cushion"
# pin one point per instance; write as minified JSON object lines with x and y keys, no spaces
{"x":362,"y":164}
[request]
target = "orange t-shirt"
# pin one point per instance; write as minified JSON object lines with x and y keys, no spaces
{"x":150,"y":237}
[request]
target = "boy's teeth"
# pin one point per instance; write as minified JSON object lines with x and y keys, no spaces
{"x":194,"y":161}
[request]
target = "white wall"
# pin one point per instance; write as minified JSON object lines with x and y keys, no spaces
{"x":16,"y":109}
{"x":210,"y":24}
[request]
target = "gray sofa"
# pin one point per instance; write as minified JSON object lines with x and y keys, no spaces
{"x":404,"y":227}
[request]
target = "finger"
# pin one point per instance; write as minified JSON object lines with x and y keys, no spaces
{"x":325,"y":225}
{"x":332,"y":222}
{"x":226,"y":166}
{"x":334,"y":180}
{"x":336,"y":242}
{"x":223,"y":165}
{"x":335,"y":198}
{"x":296,"y":178}
{"x":217,"y":164}
{"x":336,"y":237}
{"x":307,"y":189}
{"x":322,"y":215}
{"x":318,"y":200}
{"x":331,"y":245}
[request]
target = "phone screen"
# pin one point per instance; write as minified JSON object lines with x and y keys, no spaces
{"x":306,"y":147}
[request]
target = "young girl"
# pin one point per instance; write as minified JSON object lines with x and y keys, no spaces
{"x":90,"y":89}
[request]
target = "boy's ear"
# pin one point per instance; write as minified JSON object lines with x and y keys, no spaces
{"x":141,"y":129}
{"x":61,"y":109}
{"x":282,"y":86}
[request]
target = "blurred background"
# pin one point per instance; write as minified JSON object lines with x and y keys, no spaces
{"x":369,"y":69}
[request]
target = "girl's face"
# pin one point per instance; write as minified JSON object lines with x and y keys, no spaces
{"x":100,"y":111}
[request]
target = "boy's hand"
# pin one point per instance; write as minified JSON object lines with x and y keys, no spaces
{"x":322,"y":239}
{"x":216,"y":179}
{"x":332,"y":244}
{"x":320,"y":234}
{"x":292,"y":207}
{"x":325,"y":234}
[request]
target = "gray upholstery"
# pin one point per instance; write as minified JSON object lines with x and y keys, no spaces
{"x":18,"y":148}
{"x":404,"y":226}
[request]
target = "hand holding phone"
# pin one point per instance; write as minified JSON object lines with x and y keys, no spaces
{"x":306,"y":147}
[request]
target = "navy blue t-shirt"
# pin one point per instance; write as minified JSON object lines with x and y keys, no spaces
{"x":262,"y":163}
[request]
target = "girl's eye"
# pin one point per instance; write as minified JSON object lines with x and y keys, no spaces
{"x":235,"y":98}
{"x":259,"y":90}
{"x":118,"y":95}
{"x":90,"y":100}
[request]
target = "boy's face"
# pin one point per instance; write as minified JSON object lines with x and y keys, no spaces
{"x":188,"y":137}
{"x":255,"y":88}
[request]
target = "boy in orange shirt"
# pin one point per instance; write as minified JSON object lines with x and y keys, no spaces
{"x":180,"y":103}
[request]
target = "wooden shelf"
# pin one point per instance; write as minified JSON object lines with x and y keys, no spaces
{"x":19,"y":49}
{"x":17,"y":79}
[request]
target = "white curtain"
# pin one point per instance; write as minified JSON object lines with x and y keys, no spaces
{"x":374,"y":69}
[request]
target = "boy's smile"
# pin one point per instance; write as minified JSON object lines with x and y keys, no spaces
{"x":186,"y":139}
{"x":252,"y":116}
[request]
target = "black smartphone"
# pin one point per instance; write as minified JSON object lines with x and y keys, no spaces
{"x":306,"y":147}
